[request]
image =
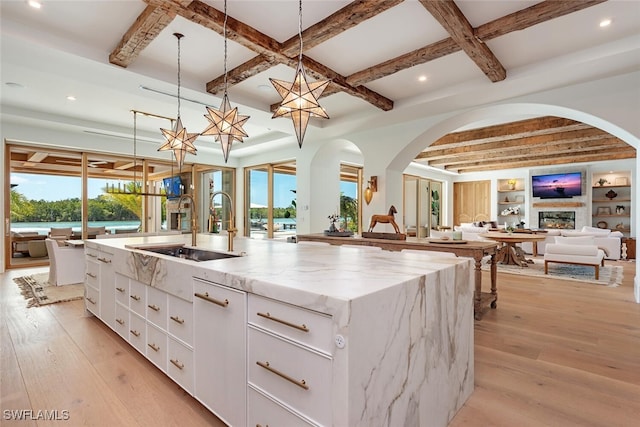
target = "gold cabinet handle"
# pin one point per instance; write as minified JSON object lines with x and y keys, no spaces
{"x":91,"y":275}
{"x":301,"y":383}
{"x":260,"y":425}
{"x":267,"y":315}
{"x":134,"y":332}
{"x":91,"y":300}
{"x":135,"y":297}
{"x":177,"y":319}
{"x":154,"y":347}
{"x":105,"y":260}
{"x":92,"y":255}
{"x":206,"y":297}
{"x":120,"y":289}
{"x":177,"y":363}
{"x":120,"y":321}
{"x":153,"y":307}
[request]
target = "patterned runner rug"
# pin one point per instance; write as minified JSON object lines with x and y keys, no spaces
{"x":37,"y":291}
{"x":610,"y":275}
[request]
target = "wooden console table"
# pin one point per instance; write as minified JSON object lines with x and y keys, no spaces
{"x":475,"y":249}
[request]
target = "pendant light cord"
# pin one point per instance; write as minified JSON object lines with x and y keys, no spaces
{"x":178,"y":36}
{"x":224,"y":34}
{"x":300,"y":30}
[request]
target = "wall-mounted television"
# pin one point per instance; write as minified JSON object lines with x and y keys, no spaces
{"x":557,"y":185}
{"x":172,"y":187}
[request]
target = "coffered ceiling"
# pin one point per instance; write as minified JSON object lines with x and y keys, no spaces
{"x":385,"y":58}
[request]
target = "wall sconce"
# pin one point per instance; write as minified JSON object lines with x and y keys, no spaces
{"x":372,"y":187}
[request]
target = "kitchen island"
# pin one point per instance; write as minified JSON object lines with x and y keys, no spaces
{"x":287,"y":334}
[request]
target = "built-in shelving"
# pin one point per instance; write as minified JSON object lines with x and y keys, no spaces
{"x":611,"y":201}
{"x":510,"y":200}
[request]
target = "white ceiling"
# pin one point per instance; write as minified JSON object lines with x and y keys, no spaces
{"x":63,"y":49}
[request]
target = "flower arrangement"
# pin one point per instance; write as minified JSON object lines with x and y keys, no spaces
{"x":602,"y":182}
{"x":333,"y":218}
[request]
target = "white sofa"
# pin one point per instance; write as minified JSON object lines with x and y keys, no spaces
{"x":607,"y":240}
{"x":473,"y":231}
{"x":574,"y":250}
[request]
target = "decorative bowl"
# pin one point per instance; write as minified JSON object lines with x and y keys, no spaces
{"x":444,"y":238}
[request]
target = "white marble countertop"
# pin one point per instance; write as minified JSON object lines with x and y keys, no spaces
{"x":318,"y":277}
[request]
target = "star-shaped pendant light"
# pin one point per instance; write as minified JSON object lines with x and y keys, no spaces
{"x":178,"y":139}
{"x":225,"y":123}
{"x":300,"y":98}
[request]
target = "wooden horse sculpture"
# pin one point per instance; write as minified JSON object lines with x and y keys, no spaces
{"x":385,"y":219}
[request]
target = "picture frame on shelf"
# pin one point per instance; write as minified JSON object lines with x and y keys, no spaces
{"x":604,"y":210}
{"x":621,"y":180}
{"x":520,"y":199}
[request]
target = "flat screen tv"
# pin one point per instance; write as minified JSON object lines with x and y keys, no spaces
{"x":172,"y":187}
{"x":557,"y":185}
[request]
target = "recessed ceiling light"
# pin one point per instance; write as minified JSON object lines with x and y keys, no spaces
{"x":71,"y":98}
{"x":14,"y":84}
{"x":605,"y":23}
{"x":35,"y":4}
{"x":422,"y":78}
{"x":265,"y":88}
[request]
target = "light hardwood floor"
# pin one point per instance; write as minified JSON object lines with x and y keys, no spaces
{"x":554,"y":353}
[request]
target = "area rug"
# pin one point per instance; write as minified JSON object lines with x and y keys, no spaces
{"x":610,"y":275}
{"x":37,"y":291}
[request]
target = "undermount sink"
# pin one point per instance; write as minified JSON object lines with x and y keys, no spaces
{"x":193,"y":254}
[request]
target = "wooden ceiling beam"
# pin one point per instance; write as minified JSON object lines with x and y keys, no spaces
{"x":453,"y":20}
{"x":536,"y":14}
{"x":143,"y":31}
{"x":547,"y":150}
{"x":533,"y":15}
{"x":532,"y":143}
{"x":252,"y":67}
{"x":348,"y":17}
{"x":599,"y":155}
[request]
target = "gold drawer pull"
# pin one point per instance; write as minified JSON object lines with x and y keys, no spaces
{"x":206,"y":297}
{"x":91,"y":300}
{"x":134,"y":332}
{"x":135,"y":297}
{"x":267,"y":315}
{"x":154,"y":347}
{"x":120,"y":289}
{"x":177,"y":363}
{"x":92,"y":275}
{"x":153,"y":307}
{"x":120,"y":321}
{"x":177,"y":319}
{"x":301,"y":383}
{"x":105,"y":260}
{"x":92,"y":255}
{"x":260,"y":425}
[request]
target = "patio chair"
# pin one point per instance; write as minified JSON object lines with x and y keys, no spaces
{"x":64,"y":233}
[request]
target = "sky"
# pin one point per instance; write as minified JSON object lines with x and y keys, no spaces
{"x":50,"y":188}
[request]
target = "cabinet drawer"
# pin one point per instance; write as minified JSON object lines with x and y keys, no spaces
{"x":122,"y":290}
{"x":180,"y":321}
{"x":157,"y":307}
{"x":92,"y":274}
{"x":137,"y":297}
{"x":292,"y":374}
{"x":305,"y":326}
{"x":92,"y":300}
{"x":121,"y":324}
{"x":180,"y":366}
{"x":157,"y":347}
{"x":262,"y":411}
{"x":138,"y":332}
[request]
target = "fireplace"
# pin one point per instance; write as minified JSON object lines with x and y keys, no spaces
{"x":557,"y":219}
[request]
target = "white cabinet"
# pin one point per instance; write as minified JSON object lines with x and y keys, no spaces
{"x":99,"y":284}
{"x":181,"y":367}
{"x":220,"y":317}
{"x":266,"y":412}
{"x":157,"y":347}
{"x":289,"y":359}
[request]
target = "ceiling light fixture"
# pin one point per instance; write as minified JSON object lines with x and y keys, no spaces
{"x":178,"y":139}
{"x":422,"y":78}
{"x":605,"y":23}
{"x":300,"y":98}
{"x":71,"y":98}
{"x":372,"y":187}
{"x":225,"y":123}
{"x":35,"y":4}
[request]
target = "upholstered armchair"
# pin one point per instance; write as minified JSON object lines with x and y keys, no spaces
{"x":65,"y":267}
{"x":574,"y":250}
